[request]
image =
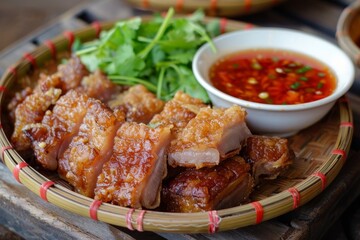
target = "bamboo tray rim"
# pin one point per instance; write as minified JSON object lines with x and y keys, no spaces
{"x":141,"y":220}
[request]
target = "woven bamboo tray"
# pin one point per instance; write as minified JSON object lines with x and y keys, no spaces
{"x":211,"y":7}
{"x":321,"y":152}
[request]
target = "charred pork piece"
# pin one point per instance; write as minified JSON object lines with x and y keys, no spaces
{"x":269,"y":156}
{"x":98,"y":86}
{"x":133,"y":176}
{"x":213,"y":135}
{"x":178,"y":112}
{"x":31,"y":111}
{"x":82,"y":162}
{"x":52,"y":136}
{"x":139,"y":104}
{"x":194,"y":190}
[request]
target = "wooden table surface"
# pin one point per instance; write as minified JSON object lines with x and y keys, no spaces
{"x":334,"y":214}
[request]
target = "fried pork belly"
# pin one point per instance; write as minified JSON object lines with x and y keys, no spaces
{"x":71,"y":73}
{"x":194,"y":190}
{"x":178,"y":112}
{"x":31,"y":111}
{"x":98,"y":86}
{"x":213,"y":135}
{"x":82,"y":162}
{"x":139,"y":104}
{"x":52,"y":136}
{"x":17,"y":99}
{"x":269,"y":156}
{"x":133,"y":176}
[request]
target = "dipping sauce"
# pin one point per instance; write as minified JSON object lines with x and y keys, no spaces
{"x":272,"y":76}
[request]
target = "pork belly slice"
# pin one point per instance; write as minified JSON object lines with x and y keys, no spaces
{"x":213,"y":135}
{"x":31,"y":111}
{"x":97,"y":85}
{"x":16,"y":100}
{"x":133,"y":175}
{"x":52,"y":136}
{"x":71,"y":73}
{"x":178,"y":112}
{"x":194,"y":190}
{"x":139,"y":104}
{"x":82,"y":162}
{"x":269,"y":156}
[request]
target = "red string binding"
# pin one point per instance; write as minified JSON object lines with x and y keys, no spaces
{"x":51,"y":47}
{"x":31,"y":59}
{"x":43,"y":189}
{"x":223,"y":24}
{"x":94,"y":208}
{"x":340,"y":152}
{"x":96,"y":25}
{"x":347,"y":124}
{"x":128,"y":219}
{"x":12,"y":70}
{"x":248,"y":26}
{"x":140,"y":221}
{"x":322,"y":178}
{"x":296,"y":196}
{"x":145,"y":3}
{"x":2,"y":89}
{"x":247,"y":5}
{"x":213,"y":6}
{"x":16,"y":171}
{"x":179,"y":5}
{"x":3,"y":149}
{"x":70,"y":37}
{"x":214,"y":221}
{"x":259,"y":211}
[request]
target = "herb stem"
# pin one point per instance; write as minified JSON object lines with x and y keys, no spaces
{"x":132,"y":81}
{"x":158,"y":35}
{"x":160,"y":82}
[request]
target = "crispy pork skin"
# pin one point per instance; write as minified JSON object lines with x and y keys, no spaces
{"x":194,"y":190}
{"x":269,"y":156}
{"x":139,"y":104}
{"x":82,"y":162}
{"x":31,"y":111}
{"x":213,"y":135}
{"x":134,"y":174}
{"x":178,"y":112}
{"x":52,"y":136}
{"x":71,"y":73}
{"x":97,"y":85}
{"x":16,"y":100}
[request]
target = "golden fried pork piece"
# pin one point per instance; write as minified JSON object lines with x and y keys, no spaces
{"x":269,"y":156}
{"x":82,"y":162}
{"x":178,"y":112}
{"x":139,"y":104}
{"x":52,"y":136}
{"x":16,"y":100}
{"x":71,"y":73}
{"x":194,"y":190}
{"x":133,"y":176}
{"x":31,"y":111}
{"x":97,"y":85}
{"x":213,"y":135}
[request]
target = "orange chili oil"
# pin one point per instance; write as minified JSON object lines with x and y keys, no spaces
{"x":272,"y":76}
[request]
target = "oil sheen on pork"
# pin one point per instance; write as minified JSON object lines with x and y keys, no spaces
{"x":213,"y":135}
{"x":133,"y":176}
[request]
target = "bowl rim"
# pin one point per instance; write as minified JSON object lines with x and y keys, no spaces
{"x":338,"y":92}
{"x":343,"y":34}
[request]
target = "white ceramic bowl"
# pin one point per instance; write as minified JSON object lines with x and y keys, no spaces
{"x":270,"y":119}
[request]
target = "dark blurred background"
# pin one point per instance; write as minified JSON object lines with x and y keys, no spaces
{"x":19,"y":18}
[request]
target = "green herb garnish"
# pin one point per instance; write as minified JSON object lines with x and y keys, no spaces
{"x":295,"y":85}
{"x":157,"y":53}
